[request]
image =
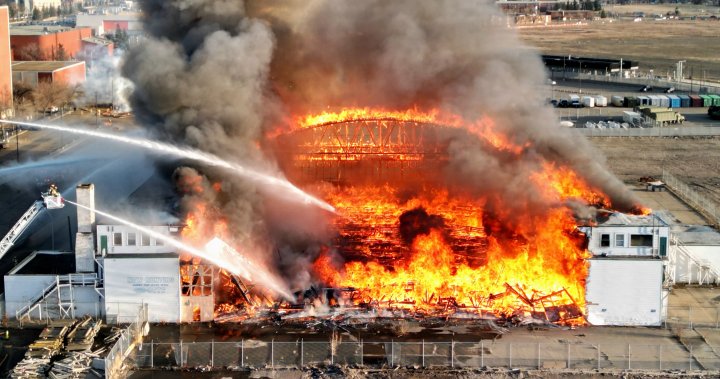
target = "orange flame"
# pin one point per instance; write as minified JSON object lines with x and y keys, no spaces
{"x":434,"y":116}
{"x":551,"y":265}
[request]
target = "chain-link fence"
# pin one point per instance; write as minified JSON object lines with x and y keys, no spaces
{"x":692,"y":317}
{"x":692,"y":86}
{"x":674,"y":131}
{"x":389,"y":354}
{"x":130,"y":336}
{"x":702,"y":204}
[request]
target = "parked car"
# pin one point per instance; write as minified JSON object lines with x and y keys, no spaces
{"x":646,"y":89}
{"x":670,"y":90}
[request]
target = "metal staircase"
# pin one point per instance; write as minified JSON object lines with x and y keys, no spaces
{"x":57,"y":301}
{"x":20,"y":226}
{"x":706,"y":273}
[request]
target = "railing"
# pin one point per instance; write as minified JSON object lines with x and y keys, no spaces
{"x":686,"y":85}
{"x":674,"y":131}
{"x":19,"y":228}
{"x":705,"y":272}
{"x":36,"y":303}
{"x":700,"y":203}
{"x":455,"y":354}
{"x":688,"y":317}
{"x":130,"y":338}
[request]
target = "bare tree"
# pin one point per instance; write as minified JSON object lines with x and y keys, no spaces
{"x":52,"y":94}
{"x":30,"y":52}
{"x":23,"y":98}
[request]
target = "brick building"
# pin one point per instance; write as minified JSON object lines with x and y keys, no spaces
{"x":48,"y":42}
{"x":32,"y":73}
{"x":6,"y":89}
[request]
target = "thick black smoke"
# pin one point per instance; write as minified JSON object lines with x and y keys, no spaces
{"x":454,"y":55}
{"x":417,"y":222}
{"x":213,"y":73}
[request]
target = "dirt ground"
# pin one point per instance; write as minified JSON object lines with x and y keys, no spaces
{"x":656,"y":45}
{"x":694,"y":160}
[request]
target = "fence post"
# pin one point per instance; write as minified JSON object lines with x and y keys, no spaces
{"x":538,"y":355}
{"x":332,"y":351}
{"x":212,"y":352}
{"x":392,"y":353}
{"x":181,"y":353}
{"x":629,"y":356}
{"x":659,"y":357}
{"x":690,"y":317}
{"x":423,"y":353}
{"x":510,"y":355}
{"x":302,"y":352}
{"x":152,"y":354}
{"x":452,"y":353}
{"x":482,"y":354}
{"x":717,"y":315}
{"x":361,"y":352}
{"x":272,"y":353}
{"x":598,"y":356}
{"x":242,"y":352}
{"x":690,"y":358}
{"x":568,"y":354}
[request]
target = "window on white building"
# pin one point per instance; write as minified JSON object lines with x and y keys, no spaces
{"x":619,"y":240}
{"x":604,"y":240}
{"x":641,"y":240}
{"x":117,"y":239}
{"x":132,"y":241}
{"x":144,"y":240}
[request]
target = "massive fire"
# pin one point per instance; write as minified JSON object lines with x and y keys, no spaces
{"x":432,"y":250}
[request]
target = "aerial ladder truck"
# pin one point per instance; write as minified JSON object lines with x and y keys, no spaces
{"x":51,"y":199}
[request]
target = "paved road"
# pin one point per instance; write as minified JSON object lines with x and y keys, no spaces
{"x":117,"y":171}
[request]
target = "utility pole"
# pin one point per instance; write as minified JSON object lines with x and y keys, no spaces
{"x":17,"y":142}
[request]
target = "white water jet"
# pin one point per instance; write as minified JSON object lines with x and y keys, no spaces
{"x":192,"y":154}
{"x":227,"y":259}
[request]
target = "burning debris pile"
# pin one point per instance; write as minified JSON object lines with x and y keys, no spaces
{"x":452,"y":195}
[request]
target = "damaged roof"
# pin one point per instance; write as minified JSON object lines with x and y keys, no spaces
{"x":624,"y":219}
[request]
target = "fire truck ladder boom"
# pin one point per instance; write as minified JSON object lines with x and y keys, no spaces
{"x":20,"y":226}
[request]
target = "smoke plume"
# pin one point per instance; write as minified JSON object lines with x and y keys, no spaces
{"x":216,"y":74}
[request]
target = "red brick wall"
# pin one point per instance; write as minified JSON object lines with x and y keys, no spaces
{"x":50,"y":43}
{"x":110,"y":26}
{"x":70,"y":75}
{"x":5,"y":70}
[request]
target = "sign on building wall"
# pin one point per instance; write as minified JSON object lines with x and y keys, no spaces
{"x":132,"y":280}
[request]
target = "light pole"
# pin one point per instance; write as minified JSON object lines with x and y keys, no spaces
{"x":580,"y":73}
{"x":17,"y":142}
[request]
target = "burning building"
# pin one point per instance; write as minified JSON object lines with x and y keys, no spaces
{"x":454,"y":188}
{"x":454,"y":191}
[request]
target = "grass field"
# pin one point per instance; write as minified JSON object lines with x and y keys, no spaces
{"x":656,"y":45}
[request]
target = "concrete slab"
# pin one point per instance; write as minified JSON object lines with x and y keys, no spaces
{"x":665,"y":200}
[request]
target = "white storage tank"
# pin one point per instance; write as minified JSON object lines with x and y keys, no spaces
{"x":588,"y":101}
{"x":601,"y":101}
{"x":617,"y":101}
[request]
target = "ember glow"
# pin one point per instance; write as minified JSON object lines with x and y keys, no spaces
{"x":457,"y":263}
{"x":434,"y":116}
{"x":427,"y":247}
{"x":454,"y":261}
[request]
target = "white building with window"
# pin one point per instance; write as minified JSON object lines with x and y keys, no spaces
{"x":138,"y":268}
{"x":625,"y":280}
